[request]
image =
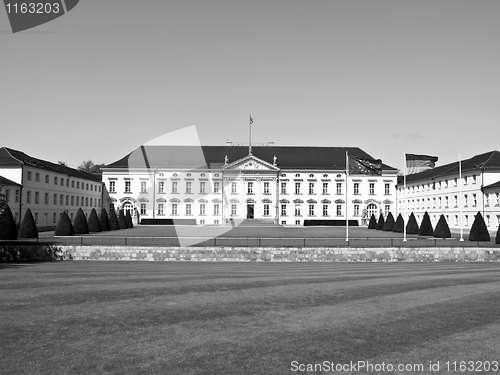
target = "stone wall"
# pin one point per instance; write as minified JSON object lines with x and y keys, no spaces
{"x":285,"y":254}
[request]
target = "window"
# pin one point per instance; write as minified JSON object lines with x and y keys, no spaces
{"x":202,"y":187}
{"x":73,"y":185}
{"x":456,"y":219}
{"x":55,"y":199}
{"x":61,"y":199}
{"x":174,"y":208}
{"x":339,"y":188}
{"x":297,"y":188}
{"x":266,"y":187}
{"x":283,"y":188}
{"x":465,"y":180}
{"x":161,"y":186}
{"x":160,"y":208}
{"x":37,"y":177}
{"x":46,"y":178}
{"x":112,"y":186}
{"x":233,"y":187}
{"x":434,"y":202}
{"x":250,"y":187}
{"x":54,"y":217}
{"x":297,"y":210}
{"x":216,"y":187}
{"x":189,"y":185}
{"x":216,"y":222}
{"x":174,"y":187}
{"x":28,"y":197}
{"x":466,"y":217}
{"x":143,"y":209}
{"x":29,"y":175}
{"x":62,"y":181}
{"x":91,"y":187}
{"x":67,"y":182}
{"x":487,"y":199}
{"x":446,"y":201}
{"x":202,"y":209}
{"x":283,"y":210}
{"x":202,"y":221}
{"x":87,"y":186}
{"x":487,"y":218}
{"x":387,"y":209}
{"x":325,"y":210}
{"x":7,"y":195}
{"x":387,"y":188}
{"x":37,"y":197}
{"x":497,"y":196}
{"x":67,"y":200}
{"x":339,"y":210}
{"x":372,"y":188}
{"x":325,"y":188}
{"x":266,"y":209}
{"x":233,"y":209}
{"x":188,"y":208}
{"x":55,"y":180}
{"x":356,"y":188}
{"x":78,"y":201}
{"x":474,"y":179}
{"x":86,"y":201}
{"x":78,"y":184}
{"x":143,"y":186}
{"x":311,"y":187}
{"x":455,"y":198}
{"x":311,"y":210}
{"x":36,"y":217}
{"x":466,"y":198}
{"x":216,"y":209}
{"x":474,"y":200}
{"x":297,"y":222}
{"x":356,"y":210}
{"x":72,"y":200}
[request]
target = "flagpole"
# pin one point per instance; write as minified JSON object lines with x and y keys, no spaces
{"x":250,"y":121}
{"x":404,"y":198}
{"x":346,"y":191}
{"x":460,"y":196}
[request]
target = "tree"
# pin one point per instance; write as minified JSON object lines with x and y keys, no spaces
{"x":128,"y":219}
{"x":80,"y":223}
{"x":497,"y":238}
{"x":89,"y":167}
{"x":8,"y":228}
{"x":373,"y":222}
{"x":64,"y":226}
{"x":104,"y":220}
{"x":442,"y":229}
{"x":412,"y":226}
{"x":122,"y":222}
{"x":63,"y":163}
{"x":426,"y":226}
{"x":389,"y":223}
{"x":93,"y":222}
{"x":113,"y":220}
{"x":399,"y":225}
{"x":28,"y":227}
{"x":381,"y":222}
{"x":479,"y":231}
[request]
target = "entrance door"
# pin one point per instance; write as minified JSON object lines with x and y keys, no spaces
{"x":371,"y":210}
{"x":128,"y":207}
{"x":250,"y":211}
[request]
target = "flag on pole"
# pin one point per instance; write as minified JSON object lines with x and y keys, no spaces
{"x":419,"y":163}
{"x":251,"y":120}
{"x":359,"y":165}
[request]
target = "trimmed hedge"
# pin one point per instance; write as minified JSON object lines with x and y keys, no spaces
{"x":122,"y":222}
{"x":28,"y":227}
{"x":8,"y":227}
{"x":442,"y":229}
{"x":389,"y":223}
{"x":80,"y":223}
{"x":479,"y":231}
{"x":29,"y":252}
{"x":64,"y":226}
{"x":381,"y":222}
{"x":113,"y":220}
{"x":373,"y":222}
{"x":128,"y":219}
{"x":399,"y":225}
{"x":497,"y":238}
{"x":412,"y":226}
{"x":93,"y":223}
{"x":104,"y":221}
{"x":426,"y":226}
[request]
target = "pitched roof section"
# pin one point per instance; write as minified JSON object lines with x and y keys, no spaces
{"x":288,"y":157}
{"x":10,"y":157}
{"x":7,"y":182}
{"x":487,"y":161}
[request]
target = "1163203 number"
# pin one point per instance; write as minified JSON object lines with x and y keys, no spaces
{"x":33,"y":8}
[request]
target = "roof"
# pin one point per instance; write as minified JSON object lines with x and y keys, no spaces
{"x":10,"y":157}
{"x":487,"y":161}
{"x":6,"y":181}
{"x":495,"y":185}
{"x":288,"y":157}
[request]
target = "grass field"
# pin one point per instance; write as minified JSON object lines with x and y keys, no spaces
{"x":257,"y":318}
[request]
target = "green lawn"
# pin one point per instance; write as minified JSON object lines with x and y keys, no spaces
{"x":253,"y":318}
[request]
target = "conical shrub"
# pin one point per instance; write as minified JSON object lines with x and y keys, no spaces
{"x":373,"y":222}
{"x":479,"y":231}
{"x":442,"y":229}
{"x":28,"y":227}
{"x":412,"y":226}
{"x":122,"y":222}
{"x":93,"y":222}
{"x":426,"y":226}
{"x":104,"y":221}
{"x":113,"y":220}
{"x":128,"y":219}
{"x":399,"y":225}
{"x":80,"y":223}
{"x":64,"y":226}
{"x":381,"y":222}
{"x":389,"y":223}
{"x":8,"y":228}
{"x":497,"y":238}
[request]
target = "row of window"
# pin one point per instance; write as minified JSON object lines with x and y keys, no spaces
{"x":439,"y":201}
{"x":440,"y":184}
{"x":61,"y":199}
{"x":60,"y":181}
{"x":468,"y":219}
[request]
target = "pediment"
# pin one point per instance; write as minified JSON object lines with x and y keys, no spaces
{"x":251,"y":163}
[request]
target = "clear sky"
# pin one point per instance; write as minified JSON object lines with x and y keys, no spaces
{"x":389,"y":77}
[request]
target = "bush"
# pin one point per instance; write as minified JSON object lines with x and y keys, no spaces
{"x":389,"y":223}
{"x":497,"y":238}
{"x":373,"y":222}
{"x":29,"y":253}
{"x":113,"y":221}
{"x":8,"y":227}
{"x":478,"y":231}
{"x":122,"y":222}
{"x":426,"y":226}
{"x":104,"y":221}
{"x":381,"y":222}
{"x":399,"y":225}
{"x":412,"y":226}
{"x":93,"y":223}
{"x":80,"y":223}
{"x":28,"y":227}
{"x":128,"y":219}
{"x":442,"y":229}
{"x":64,"y":226}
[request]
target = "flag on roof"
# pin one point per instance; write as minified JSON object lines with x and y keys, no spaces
{"x":419,"y":163}
{"x":359,"y":165}
{"x":251,"y":120}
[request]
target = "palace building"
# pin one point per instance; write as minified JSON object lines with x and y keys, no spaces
{"x":290,"y":185}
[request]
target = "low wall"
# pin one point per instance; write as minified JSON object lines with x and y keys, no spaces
{"x":285,"y":254}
